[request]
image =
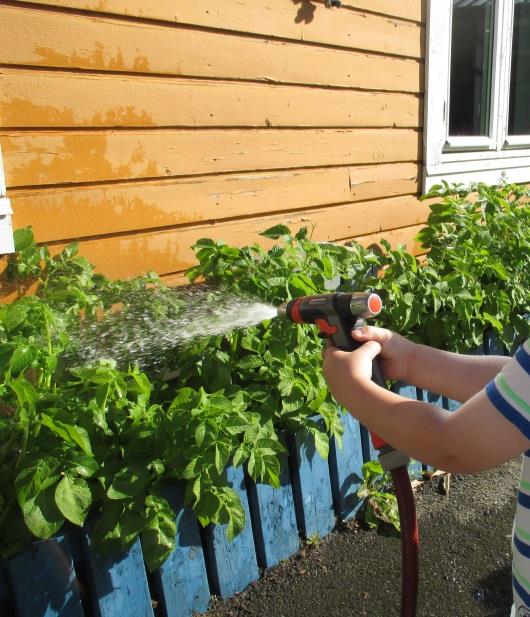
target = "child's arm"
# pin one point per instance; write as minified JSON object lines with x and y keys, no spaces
{"x":471,"y":439}
{"x":452,"y":375}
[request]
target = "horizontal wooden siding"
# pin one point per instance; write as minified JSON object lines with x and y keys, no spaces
{"x":139,"y":127}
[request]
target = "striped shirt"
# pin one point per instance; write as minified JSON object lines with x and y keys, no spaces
{"x":510,"y":393}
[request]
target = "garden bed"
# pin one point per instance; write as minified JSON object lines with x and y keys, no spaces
{"x":91,"y":440}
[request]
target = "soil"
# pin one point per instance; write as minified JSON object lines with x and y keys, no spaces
{"x":465,"y":561}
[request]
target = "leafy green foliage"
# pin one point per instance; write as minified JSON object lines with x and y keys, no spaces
{"x":103,"y":440}
{"x":475,"y":277}
{"x":99,"y":443}
{"x":379,"y":504}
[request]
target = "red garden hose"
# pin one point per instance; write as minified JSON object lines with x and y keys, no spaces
{"x":409,"y":541}
{"x":396,"y":462}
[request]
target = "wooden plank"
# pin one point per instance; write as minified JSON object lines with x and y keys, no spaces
{"x":346,"y":469}
{"x":35,"y":98}
{"x":369,"y":452}
{"x":118,"y":583}
{"x":40,"y":158}
{"x":43,"y":582}
{"x":413,"y":11}
{"x":311,"y":487}
{"x":404,"y":236}
{"x":430,"y":397}
{"x":450,"y":404}
{"x":90,"y":211}
{"x":273,"y":519}
{"x":181,"y":583}
{"x":170,"y":251}
{"x":4,"y":590}
{"x":63,"y":40}
{"x":311,"y":22}
{"x":232,"y":565}
{"x":493,"y":346}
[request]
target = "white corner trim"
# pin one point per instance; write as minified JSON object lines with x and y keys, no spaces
{"x":7,"y":243}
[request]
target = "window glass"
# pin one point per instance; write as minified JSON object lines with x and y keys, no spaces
{"x":471,"y":67}
{"x":519,"y":116}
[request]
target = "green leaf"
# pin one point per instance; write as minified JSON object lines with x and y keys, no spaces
{"x":69,"y":432}
{"x":206,"y":507}
{"x":493,"y":321}
{"x":222,"y":454}
{"x":240,"y":455}
{"x":235,"y":512}
{"x":158,"y":535}
{"x":73,"y":499}
{"x":25,"y":392}
{"x":276,"y":232}
{"x":16,"y":315}
{"x":36,"y":478}
{"x":22,"y":358}
{"x":130,"y":481}
{"x":24,"y":239}
{"x":249,"y":362}
{"x":216,"y":374}
{"x":200,"y":433}
{"x":118,"y":526}
{"x":81,"y":464}
{"x":321,"y":443}
{"x":41,"y":514}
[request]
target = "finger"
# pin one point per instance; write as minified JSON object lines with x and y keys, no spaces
{"x":371,"y":333}
{"x":371,"y":349}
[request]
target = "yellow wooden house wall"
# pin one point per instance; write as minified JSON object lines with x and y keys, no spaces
{"x":140,"y":126}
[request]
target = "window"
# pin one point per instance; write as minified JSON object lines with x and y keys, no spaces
{"x":477,"y":103}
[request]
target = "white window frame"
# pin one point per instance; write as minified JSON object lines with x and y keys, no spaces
{"x":470,"y":159}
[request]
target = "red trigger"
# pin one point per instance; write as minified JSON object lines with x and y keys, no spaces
{"x":325,"y":327}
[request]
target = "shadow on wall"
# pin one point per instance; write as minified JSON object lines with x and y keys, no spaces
{"x":306,"y":12}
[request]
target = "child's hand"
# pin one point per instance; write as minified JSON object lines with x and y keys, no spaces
{"x":347,"y":372}
{"x":396,"y":351}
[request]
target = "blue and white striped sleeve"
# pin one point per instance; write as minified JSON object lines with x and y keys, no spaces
{"x":510,"y":390}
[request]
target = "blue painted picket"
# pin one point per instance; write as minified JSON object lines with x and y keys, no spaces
{"x":118,"y":582}
{"x":232,"y":565}
{"x":273,"y":519}
{"x":4,"y":591}
{"x":311,"y":486}
{"x":43,"y":582}
{"x":181,"y":583}
{"x":345,"y":465}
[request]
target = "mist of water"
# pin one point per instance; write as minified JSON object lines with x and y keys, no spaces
{"x":145,"y":330}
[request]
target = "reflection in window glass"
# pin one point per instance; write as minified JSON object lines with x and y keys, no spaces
{"x":471,"y":67}
{"x":519,"y":116}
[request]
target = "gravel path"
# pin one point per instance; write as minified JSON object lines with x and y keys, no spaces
{"x":465,"y":561}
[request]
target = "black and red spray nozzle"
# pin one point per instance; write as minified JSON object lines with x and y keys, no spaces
{"x":335,"y":314}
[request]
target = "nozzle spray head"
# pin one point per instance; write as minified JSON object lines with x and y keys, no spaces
{"x":335,"y":314}
{"x":365,"y":305}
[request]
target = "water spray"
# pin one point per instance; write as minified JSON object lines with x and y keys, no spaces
{"x":336,"y":315}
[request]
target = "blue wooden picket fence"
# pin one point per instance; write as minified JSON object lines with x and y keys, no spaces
{"x":64,"y":577}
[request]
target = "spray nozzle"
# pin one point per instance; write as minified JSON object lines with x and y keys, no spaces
{"x":335,"y":314}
